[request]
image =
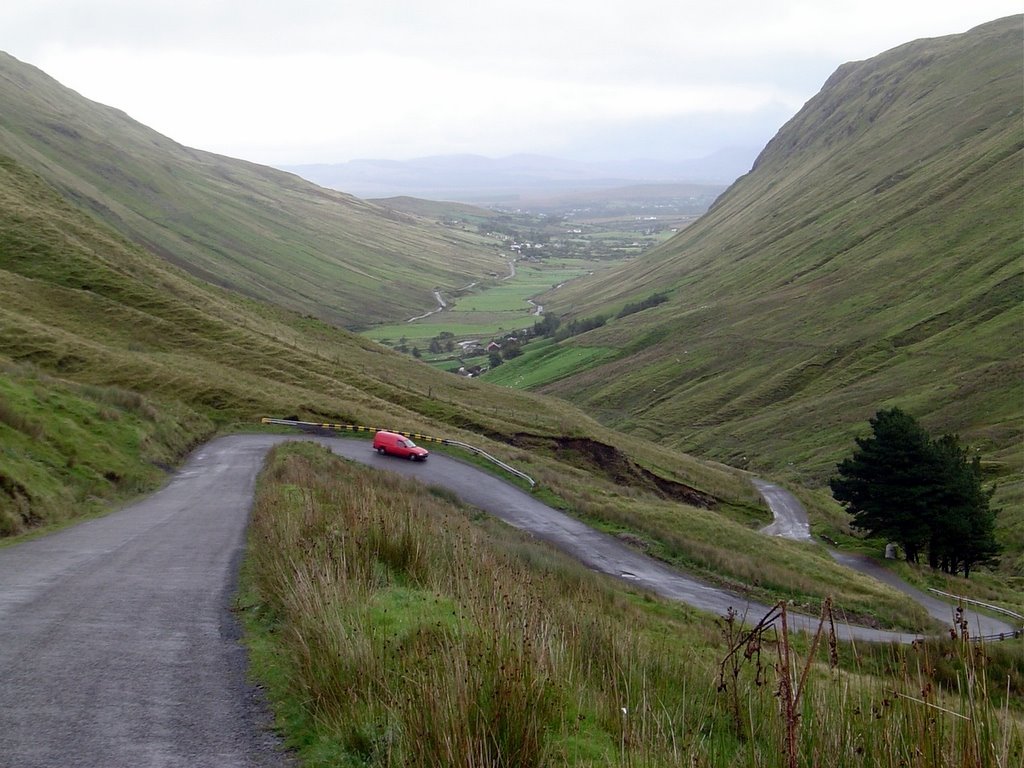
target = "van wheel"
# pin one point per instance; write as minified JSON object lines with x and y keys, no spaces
{"x":380,"y":451}
{"x":411,"y":457}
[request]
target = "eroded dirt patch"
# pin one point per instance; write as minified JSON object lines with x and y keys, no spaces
{"x":606,"y":459}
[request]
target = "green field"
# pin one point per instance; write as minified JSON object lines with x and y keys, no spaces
{"x":532,"y":278}
{"x":493,"y":307}
{"x":487,"y":324}
{"x":544,"y":362}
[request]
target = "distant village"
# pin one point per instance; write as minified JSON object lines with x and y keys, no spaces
{"x":496,"y":351}
{"x":473,"y":355}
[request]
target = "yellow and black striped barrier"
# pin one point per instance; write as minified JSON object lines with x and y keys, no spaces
{"x":411,"y":435}
{"x":351,"y":428}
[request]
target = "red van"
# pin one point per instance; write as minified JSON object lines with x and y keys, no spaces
{"x":398,"y":445}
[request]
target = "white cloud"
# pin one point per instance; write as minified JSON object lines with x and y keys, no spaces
{"x":385,"y":102}
{"x":309,"y":80}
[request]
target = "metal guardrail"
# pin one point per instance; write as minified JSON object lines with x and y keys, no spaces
{"x":413,"y":435}
{"x":1019,"y":632}
{"x":962,"y":599}
{"x":492,"y":459}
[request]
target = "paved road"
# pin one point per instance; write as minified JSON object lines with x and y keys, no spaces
{"x":599,"y":551}
{"x":117,"y":645}
{"x":441,"y":306}
{"x":790,"y":518}
{"x":791,"y":523}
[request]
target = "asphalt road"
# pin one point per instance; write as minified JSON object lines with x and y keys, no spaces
{"x":789,"y":516}
{"x":117,"y":645}
{"x":790,"y":522}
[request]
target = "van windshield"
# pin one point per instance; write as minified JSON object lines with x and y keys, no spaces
{"x":407,"y":443}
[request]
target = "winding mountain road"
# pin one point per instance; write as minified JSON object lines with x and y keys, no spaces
{"x":442,"y":305}
{"x":790,"y":522}
{"x":117,"y":642}
{"x":789,"y":516}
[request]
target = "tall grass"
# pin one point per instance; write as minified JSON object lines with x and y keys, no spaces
{"x":393,"y":628}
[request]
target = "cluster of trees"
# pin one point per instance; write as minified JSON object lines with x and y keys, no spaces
{"x":924,"y":494}
{"x":510,"y":347}
{"x":638,"y":306}
{"x":552,"y":326}
{"x":547,"y":325}
{"x":443,"y":342}
{"x":576,"y":327}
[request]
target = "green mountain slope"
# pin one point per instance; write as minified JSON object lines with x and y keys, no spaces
{"x":113,"y":364}
{"x":872,"y":257}
{"x":81,"y":306}
{"x":264,"y":233}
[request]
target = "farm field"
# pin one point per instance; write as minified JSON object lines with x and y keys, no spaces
{"x":553,"y":242}
{"x":490,"y":309}
{"x":544,"y":362}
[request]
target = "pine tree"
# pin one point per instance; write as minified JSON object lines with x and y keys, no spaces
{"x":920,"y":492}
{"x":886,"y":484}
{"x":963,"y":531}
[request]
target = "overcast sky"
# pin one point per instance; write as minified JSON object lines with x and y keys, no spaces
{"x":299,"y":81}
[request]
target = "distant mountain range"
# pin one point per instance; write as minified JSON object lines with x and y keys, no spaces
{"x":482,"y":180}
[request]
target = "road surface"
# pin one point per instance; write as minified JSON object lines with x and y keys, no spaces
{"x":790,"y":522}
{"x":790,"y":518}
{"x":117,"y":644}
{"x":442,"y":305}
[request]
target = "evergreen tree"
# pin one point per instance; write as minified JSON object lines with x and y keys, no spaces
{"x":963,"y":530}
{"x":887,"y":485}
{"x":919,"y":492}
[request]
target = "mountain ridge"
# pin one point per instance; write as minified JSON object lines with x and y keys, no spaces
{"x":871,"y":257}
{"x":255,"y":229}
{"x":479,"y":179}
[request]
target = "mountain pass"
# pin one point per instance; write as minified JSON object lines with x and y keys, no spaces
{"x":117,"y":642}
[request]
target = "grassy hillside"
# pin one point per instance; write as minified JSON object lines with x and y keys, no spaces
{"x":439,"y":210}
{"x":264,"y":233}
{"x":871,"y":258}
{"x":113,"y":363}
{"x":432,"y":627}
{"x":393,"y":629}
